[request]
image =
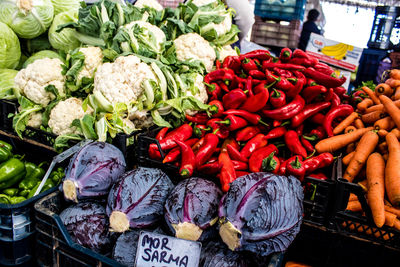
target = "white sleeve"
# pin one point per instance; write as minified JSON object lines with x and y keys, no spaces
{"x":244,"y":17}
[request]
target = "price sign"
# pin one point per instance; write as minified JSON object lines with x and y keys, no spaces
{"x":156,"y":250}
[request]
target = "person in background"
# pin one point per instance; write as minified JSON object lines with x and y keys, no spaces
{"x":244,"y":17}
{"x":308,"y":27}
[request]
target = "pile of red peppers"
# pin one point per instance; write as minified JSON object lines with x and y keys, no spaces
{"x":265,"y":114}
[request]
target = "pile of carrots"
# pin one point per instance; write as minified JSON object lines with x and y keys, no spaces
{"x":369,"y":136}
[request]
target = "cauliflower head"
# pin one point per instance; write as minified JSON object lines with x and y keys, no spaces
{"x":226,"y":51}
{"x":223,"y":27}
{"x":141,"y":119}
{"x":64,"y":113}
{"x":93,"y":59}
{"x":32,"y":80}
{"x":120,"y":81}
{"x":148,"y":29}
{"x":193,"y":46}
{"x":149,"y":3}
{"x":201,"y":93}
{"x":35,"y":120}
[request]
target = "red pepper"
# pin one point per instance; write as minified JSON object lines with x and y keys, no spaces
{"x":285,"y":54}
{"x":249,"y":64}
{"x":247,"y":133}
{"x":187,"y":160}
{"x":322,"y":67}
{"x":281,"y":82}
{"x":174,"y":153}
{"x":227,"y":173}
{"x":261,"y":55}
{"x":239,"y":165}
{"x":318,"y":162}
{"x":307,"y":112}
{"x":232,"y":62}
{"x":257,"y":158}
{"x":234,"y":153}
{"x":323,"y":79}
{"x":334,"y":113}
{"x":241,"y":173}
{"x":248,"y":116}
{"x":182,"y":133}
{"x":162,"y":133}
{"x":218,"y":64}
{"x":310,"y":82}
{"x":319,"y":176}
{"x":216,"y":108}
{"x":209,"y":168}
{"x":276,"y":132}
{"x":335,"y":101}
{"x":287,"y":111}
{"x":234,"y":99}
{"x":294,"y":145}
{"x":283,"y":66}
{"x":198,"y":144}
{"x":329,"y":94}
{"x":233,"y":122}
{"x":278,"y":98}
{"x":249,"y":85}
{"x":282,"y":168}
{"x":256,"y":74}
{"x":200,"y":117}
{"x":299,"y":129}
{"x":303,"y":61}
{"x":257,"y":101}
{"x":276,"y":123}
{"x":296,"y":168}
{"x":253,"y":144}
{"x":213,"y":90}
{"x":316,"y":134}
{"x":318,"y":118}
{"x":207,"y":149}
{"x":224,"y":87}
{"x":199,"y":130}
{"x":298,"y":87}
{"x":311,"y":92}
{"x":300,"y":54}
{"x":340,"y":91}
{"x":224,"y":75}
{"x":283,"y":73}
{"x":222,"y":132}
{"x":307,"y":145}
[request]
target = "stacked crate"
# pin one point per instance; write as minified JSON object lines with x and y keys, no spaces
{"x":278,"y":23}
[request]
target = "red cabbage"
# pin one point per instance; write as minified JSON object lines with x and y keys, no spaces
{"x":92,"y":171}
{"x":87,"y":223}
{"x":261,"y":213}
{"x":137,"y":199}
{"x":192,"y":208}
{"x":216,"y":254}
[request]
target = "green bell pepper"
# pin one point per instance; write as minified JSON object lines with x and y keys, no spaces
{"x":11,"y":191}
{"x":28,"y":183}
{"x":5,"y":154}
{"x":12,"y":181}
{"x":57,"y":175}
{"x":10,"y":169}
{"x":24,"y":193}
{"x":6,"y":145}
{"x":29,"y":168}
{"x":4,"y":199}
{"x":47,"y":185}
{"x":16,"y":200}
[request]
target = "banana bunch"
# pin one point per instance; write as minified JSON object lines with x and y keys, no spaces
{"x":337,"y":51}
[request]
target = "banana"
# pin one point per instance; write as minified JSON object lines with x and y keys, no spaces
{"x":333,"y":49}
{"x":342,"y":54}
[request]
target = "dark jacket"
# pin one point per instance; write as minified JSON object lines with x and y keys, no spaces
{"x":308,"y":28}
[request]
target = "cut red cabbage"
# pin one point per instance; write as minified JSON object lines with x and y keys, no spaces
{"x":137,"y":199}
{"x":192,"y":209}
{"x":261,"y":213}
{"x":92,"y":171}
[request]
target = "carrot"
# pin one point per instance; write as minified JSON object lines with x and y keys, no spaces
{"x":396,"y":132}
{"x":364,"y":148}
{"x":350,"y":129}
{"x":371,"y":94}
{"x":396,"y":95}
{"x":394,"y":74}
{"x":383,"y":89}
{"x":354,"y":205}
{"x":373,"y":116}
{"x":366,"y":103}
{"x":346,"y":122}
{"x":386,"y":123}
{"x":364,"y":184}
{"x":346,"y":159}
{"x":380,"y":107}
{"x":382,"y":133}
{"x":350,"y":148}
{"x":389,"y":218}
{"x":393,"y":210}
{"x":382,"y":147}
{"x":385,"y":156}
{"x":392,"y":174}
{"x":334,"y":143}
{"x":359,"y":124}
{"x":296,"y":264}
{"x":396,"y":224}
{"x":353,"y":197}
{"x":376,"y":187}
{"x":393,"y":82}
{"x":391,"y":109}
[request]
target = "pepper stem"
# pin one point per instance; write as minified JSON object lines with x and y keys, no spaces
{"x":311,"y":138}
{"x":296,"y":163}
{"x":263,"y":123}
{"x":226,"y":122}
{"x":275,"y":93}
{"x":312,"y":154}
{"x":185,"y":173}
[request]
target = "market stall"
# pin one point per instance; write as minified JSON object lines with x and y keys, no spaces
{"x":136,"y":135}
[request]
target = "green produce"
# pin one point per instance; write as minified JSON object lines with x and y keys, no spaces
{"x":10,"y":191}
{"x":47,"y":185}
{"x":11,"y":172}
{"x":65,"y":39}
{"x":36,"y":172}
{"x":10,"y":50}
{"x":31,"y":46}
{"x":6,"y":145}
{"x":5,"y":154}
{"x":16,"y":200}
{"x":24,"y":193}
{"x":4,"y":199}
{"x":57,"y":175}
{"x":7,"y":83}
{"x":65,"y":5}
{"x":40,"y":55}
{"x":27,"y":18}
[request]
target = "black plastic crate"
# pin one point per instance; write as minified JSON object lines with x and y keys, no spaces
{"x":369,"y":64}
{"x":280,"y":10}
{"x":356,"y":225}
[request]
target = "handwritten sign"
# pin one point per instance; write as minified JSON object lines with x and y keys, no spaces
{"x":156,"y":250}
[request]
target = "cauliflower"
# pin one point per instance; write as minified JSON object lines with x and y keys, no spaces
{"x":203,"y":2}
{"x":93,"y":59}
{"x":141,"y":119}
{"x":225,"y":51}
{"x":200,"y":95}
{"x":149,"y":3}
{"x":193,"y":46}
{"x":148,"y":29}
{"x":223,"y":27}
{"x":64,"y":113}
{"x":120,"y":81}
{"x":32,"y":81}
{"x":35,"y":120}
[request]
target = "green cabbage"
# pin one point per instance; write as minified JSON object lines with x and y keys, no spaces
{"x":10,"y":50}
{"x":65,"y":5}
{"x":40,"y":55}
{"x":27,"y":18}
{"x":65,"y":39}
{"x":7,"y":83}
